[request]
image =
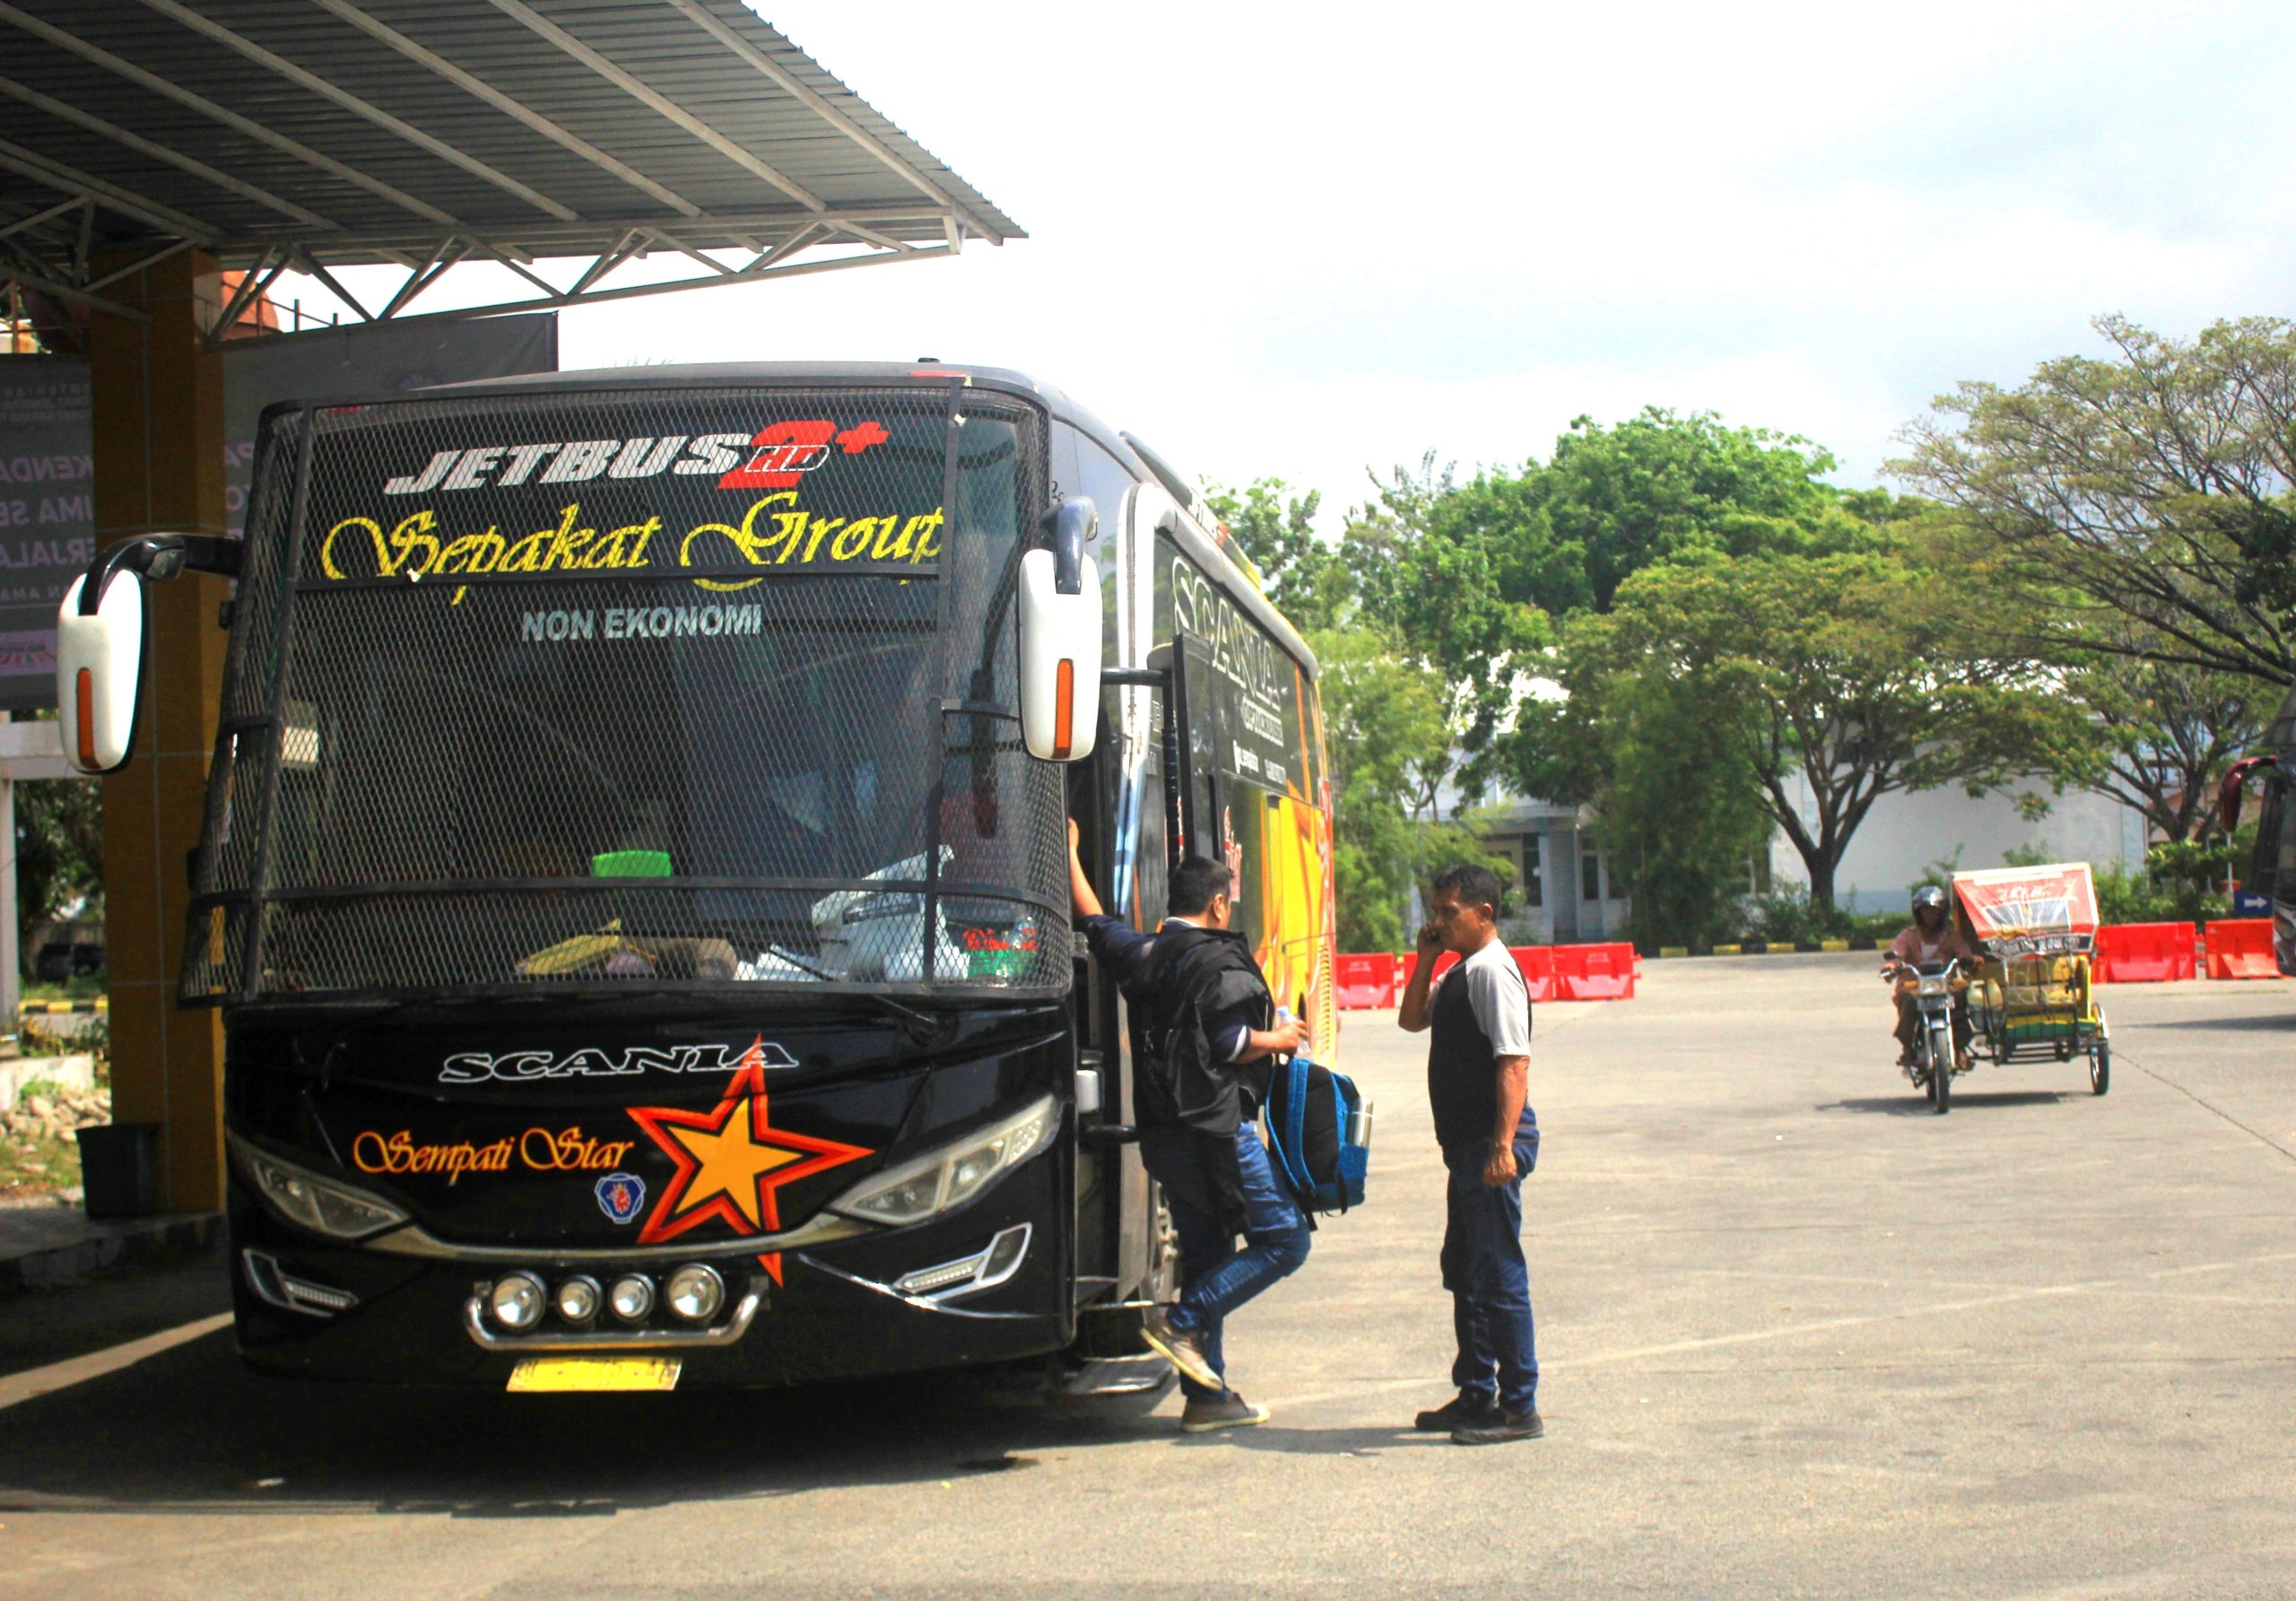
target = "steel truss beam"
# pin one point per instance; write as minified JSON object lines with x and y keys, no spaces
{"x":30,"y":245}
{"x":776,"y":261}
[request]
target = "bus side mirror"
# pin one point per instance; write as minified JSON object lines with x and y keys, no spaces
{"x":99,"y":669}
{"x":2228,"y":790}
{"x":1060,"y":639}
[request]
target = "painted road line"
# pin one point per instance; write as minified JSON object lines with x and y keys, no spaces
{"x":1789,"y":1331}
{"x":35,"y":1382}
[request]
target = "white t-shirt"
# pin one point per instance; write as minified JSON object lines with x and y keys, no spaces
{"x":1501,"y":1000}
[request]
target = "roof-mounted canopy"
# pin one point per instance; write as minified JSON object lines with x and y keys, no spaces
{"x":314,"y":134}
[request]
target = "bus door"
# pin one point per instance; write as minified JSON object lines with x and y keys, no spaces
{"x":1194,"y":748}
{"x":1115,"y":1227}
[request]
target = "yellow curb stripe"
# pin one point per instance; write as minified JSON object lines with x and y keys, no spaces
{"x":18,"y":1387}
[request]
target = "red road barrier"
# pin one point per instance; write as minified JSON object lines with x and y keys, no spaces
{"x":1593,"y":972}
{"x":1552,"y":972}
{"x":1365,"y":983}
{"x":2145,"y":954}
{"x":1537,"y":963}
{"x":2242,"y":948}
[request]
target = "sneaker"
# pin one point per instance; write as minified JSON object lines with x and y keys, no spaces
{"x":1202,"y":1417}
{"x":1460,"y":1412}
{"x":1510,"y":1425}
{"x":1177,"y":1346}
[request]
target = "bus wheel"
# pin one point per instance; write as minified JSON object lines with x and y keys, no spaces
{"x":1163,"y":1282}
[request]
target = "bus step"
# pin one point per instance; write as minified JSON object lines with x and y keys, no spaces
{"x":1118,"y":1376}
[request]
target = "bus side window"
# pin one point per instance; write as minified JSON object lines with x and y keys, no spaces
{"x":1109,"y":483}
{"x":1149,"y":866}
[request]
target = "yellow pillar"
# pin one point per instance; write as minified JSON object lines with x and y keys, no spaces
{"x":158,"y":414}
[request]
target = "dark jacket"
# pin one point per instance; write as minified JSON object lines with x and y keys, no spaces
{"x":1193,"y":990}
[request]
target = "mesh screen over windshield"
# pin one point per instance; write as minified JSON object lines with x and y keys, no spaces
{"x":691,"y":688}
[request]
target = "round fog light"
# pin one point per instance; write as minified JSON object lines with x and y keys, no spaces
{"x":696,"y":1292}
{"x":632,"y":1297}
{"x":577,"y":1298}
{"x":518,"y":1300}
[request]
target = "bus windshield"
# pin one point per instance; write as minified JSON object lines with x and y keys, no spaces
{"x":651,"y":690}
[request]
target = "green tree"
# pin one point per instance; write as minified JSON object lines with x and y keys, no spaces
{"x":1432,"y":570}
{"x":2164,"y":735}
{"x":1613,"y":500}
{"x":59,"y":856}
{"x":1308,"y":579}
{"x":1834,"y":687}
{"x":1647,"y":748}
{"x":2144,"y":499}
{"x":1383,"y":723}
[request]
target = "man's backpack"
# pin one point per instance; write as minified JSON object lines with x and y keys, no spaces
{"x":1318,"y":1134}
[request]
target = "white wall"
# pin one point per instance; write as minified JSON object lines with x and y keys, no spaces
{"x":1903,"y":833}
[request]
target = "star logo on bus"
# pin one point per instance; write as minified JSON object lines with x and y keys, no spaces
{"x":731,"y":1162}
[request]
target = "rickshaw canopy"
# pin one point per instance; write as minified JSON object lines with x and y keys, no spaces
{"x":2029,"y":910}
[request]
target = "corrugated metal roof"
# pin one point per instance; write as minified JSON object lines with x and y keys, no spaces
{"x":368,"y":131}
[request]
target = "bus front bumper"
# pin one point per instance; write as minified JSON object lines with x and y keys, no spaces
{"x":986,"y":1284}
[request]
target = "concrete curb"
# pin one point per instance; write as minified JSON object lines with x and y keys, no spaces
{"x":53,"y":1008}
{"x":1808,"y":947}
{"x":75,"y":1070}
{"x":28,"y":1263}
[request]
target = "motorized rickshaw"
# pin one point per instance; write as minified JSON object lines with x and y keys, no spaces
{"x":2032,"y":998}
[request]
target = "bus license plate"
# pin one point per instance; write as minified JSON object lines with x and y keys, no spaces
{"x":538,"y":1373}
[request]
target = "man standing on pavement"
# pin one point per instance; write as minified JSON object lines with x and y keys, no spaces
{"x":1478,"y":1079}
{"x":1210,"y":1031}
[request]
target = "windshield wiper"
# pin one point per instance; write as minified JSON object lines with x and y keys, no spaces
{"x":921,"y":1026}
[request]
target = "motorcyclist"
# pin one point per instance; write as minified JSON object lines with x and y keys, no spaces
{"x":1932,"y":938}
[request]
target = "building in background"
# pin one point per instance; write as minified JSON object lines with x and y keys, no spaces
{"x":1565,"y":892}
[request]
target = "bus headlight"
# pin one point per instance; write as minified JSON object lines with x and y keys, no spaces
{"x":695,"y":1293}
{"x":516,"y":1301}
{"x":577,"y":1298}
{"x":632,"y":1297}
{"x":941,"y":1179}
{"x":317,"y":1204}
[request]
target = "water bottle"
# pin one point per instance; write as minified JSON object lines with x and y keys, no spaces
{"x":1358,"y":1125}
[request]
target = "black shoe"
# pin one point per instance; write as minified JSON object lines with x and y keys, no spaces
{"x":1510,"y":1426}
{"x":1460,"y":1412}
{"x":1202,"y":1417}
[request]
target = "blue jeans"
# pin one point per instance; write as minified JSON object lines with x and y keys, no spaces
{"x":1215,"y":1277}
{"x":1483,"y":1270}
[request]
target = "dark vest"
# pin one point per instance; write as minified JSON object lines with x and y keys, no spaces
{"x":1462,"y":1073}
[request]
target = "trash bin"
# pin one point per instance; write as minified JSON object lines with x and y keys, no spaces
{"x":120,"y":1168}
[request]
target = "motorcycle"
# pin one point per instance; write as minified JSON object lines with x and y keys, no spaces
{"x":1935,"y":985}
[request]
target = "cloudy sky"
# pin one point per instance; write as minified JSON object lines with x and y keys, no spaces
{"x":1301,"y":240}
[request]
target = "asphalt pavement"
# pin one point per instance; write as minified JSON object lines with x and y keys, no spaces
{"x":1800,"y":1337}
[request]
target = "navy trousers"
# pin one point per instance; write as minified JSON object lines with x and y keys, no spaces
{"x":1216,"y":1277}
{"x":1490,"y":1283}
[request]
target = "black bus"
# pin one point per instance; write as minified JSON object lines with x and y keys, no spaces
{"x":634,"y":867}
